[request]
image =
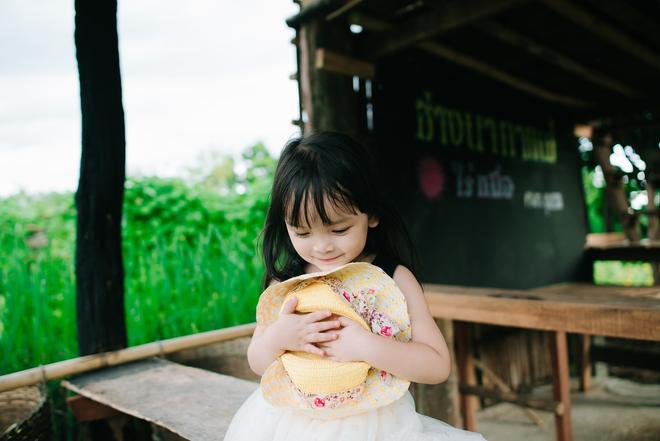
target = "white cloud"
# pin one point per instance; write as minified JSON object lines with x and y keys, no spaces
{"x":196,"y":76}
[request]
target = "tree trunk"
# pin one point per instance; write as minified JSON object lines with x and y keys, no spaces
{"x":99,"y":267}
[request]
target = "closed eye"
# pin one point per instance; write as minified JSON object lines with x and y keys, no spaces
{"x":301,"y":234}
{"x":343,"y":230}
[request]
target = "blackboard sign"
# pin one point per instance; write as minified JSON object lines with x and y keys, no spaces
{"x":487,"y":179}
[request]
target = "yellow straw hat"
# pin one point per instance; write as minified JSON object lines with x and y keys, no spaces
{"x":310,"y":372}
{"x":361,"y":292}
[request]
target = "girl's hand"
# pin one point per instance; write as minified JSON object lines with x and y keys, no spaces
{"x":302,"y":332}
{"x":350,"y":344}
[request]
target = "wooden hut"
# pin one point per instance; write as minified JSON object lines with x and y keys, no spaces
{"x":473,"y":107}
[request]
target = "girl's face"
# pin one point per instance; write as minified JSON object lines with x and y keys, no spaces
{"x":327,"y":247}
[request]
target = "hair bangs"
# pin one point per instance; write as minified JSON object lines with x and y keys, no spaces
{"x":309,"y":198}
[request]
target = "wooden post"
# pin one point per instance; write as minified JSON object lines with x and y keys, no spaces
{"x":327,"y":97}
{"x":466,"y":374}
{"x":561,"y":389}
{"x":585,"y":362}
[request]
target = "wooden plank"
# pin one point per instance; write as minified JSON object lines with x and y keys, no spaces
{"x":192,"y":403}
{"x":561,"y":386}
{"x":466,"y":375}
{"x":604,"y":30}
{"x":342,"y":64}
{"x":447,"y":16}
{"x":608,"y":312}
{"x":85,"y":409}
{"x":555,"y":58}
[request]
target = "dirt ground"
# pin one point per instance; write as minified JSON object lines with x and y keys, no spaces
{"x":614,"y":410}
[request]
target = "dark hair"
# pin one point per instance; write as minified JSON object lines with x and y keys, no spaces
{"x":328,"y":165}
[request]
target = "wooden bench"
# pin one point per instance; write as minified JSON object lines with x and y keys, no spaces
{"x":192,"y":403}
{"x":585,"y":309}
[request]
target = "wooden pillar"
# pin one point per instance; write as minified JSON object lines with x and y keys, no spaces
{"x":585,"y":362}
{"x":561,"y":389}
{"x":466,"y":374}
{"x":327,"y":97}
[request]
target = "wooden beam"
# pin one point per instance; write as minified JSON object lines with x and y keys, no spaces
{"x":511,"y":397}
{"x":369,"y":23}
{"x":474,"y":64}
{"x":343,"y":9}
{"x":333,"y":62}
{"x":502,"y":386}
{"x":604,"y":30}
{"x":622,"y":11}
{"x":551,"y":56}
{"x":449,"y":15}
{"x":310,"y":10}
{"x":497,"y":74}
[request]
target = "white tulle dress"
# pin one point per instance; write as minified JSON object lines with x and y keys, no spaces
{"x":258,"y":420}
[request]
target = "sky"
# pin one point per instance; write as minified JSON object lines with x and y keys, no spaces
{"x":199,"y":78}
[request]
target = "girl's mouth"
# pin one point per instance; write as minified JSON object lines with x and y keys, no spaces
{"x":329,"y":260}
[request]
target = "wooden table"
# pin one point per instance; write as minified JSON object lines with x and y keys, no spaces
{"x":570,"y":307}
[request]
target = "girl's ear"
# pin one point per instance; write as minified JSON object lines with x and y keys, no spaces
{"x":373,"y":221}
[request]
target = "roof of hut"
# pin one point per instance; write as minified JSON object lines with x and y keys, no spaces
{"x":596,"y":59}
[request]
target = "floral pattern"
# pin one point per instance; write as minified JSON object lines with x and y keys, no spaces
{"x":331,"y":401}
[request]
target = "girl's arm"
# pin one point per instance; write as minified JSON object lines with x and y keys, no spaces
{"x":426,"y":358}
{"x":423,"y":360}
{"x":261,"y":352}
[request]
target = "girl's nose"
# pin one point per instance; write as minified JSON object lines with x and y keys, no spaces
{"x":324,"y":247}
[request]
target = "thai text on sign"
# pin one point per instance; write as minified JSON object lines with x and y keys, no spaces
{"x":480,"y":134}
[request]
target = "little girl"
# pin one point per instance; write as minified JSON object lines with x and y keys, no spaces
{"x":328,"y":209}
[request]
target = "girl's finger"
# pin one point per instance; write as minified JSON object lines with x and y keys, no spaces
{"x":316,"y":316}
{"x":345,"y":321}
{"x":313,"y":349}
{"x":290,"y":305}
{"x":323,"y":326}
{"x":321,"y":337}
